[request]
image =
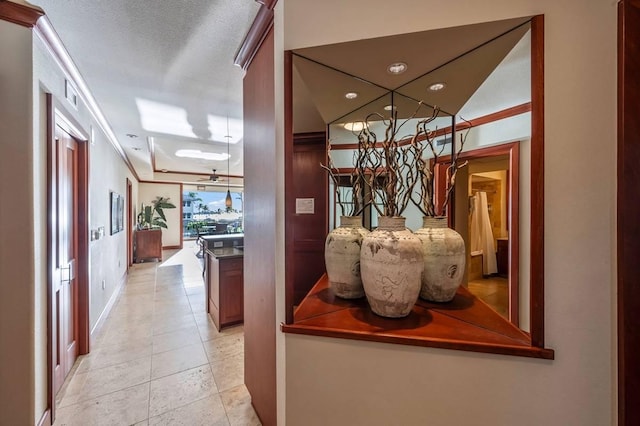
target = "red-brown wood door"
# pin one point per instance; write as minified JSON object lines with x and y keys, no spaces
{"x":65,"y":234}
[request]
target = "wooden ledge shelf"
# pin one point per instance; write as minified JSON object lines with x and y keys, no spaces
{"x":466,"y":323}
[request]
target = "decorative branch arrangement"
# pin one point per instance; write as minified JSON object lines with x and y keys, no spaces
{"x":426,"y":167}
{"x":357,"y":182}
{"x":391,"y":169}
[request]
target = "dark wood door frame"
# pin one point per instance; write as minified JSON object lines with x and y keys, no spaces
{"x":513,"y":218}
{"x":58,"y":116}
{"x":628,"y":212}
{"x":129,"y":224}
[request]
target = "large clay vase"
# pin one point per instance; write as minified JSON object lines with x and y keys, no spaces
{"x":342,"y":257}
{"x":391,"y":266}
{"x":444,"y":259}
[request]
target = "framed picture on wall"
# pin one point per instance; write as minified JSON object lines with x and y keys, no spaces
{"x":120,"y":213}
{"x":117,"y":212}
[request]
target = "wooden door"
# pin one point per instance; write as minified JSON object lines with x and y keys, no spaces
{"x":65,"y":234}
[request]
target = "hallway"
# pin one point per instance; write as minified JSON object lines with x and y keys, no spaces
{"x":158,"y":359}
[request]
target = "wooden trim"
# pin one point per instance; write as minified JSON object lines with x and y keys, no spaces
{"x":84,"y":299}
{"x":171,"y":247}
{"x":261,"y":26}
{"x":514,"y":234}
{"x":45,"y":420}
{"x":628,"y":211}
{"x":428,"y":325}
{"x":537,"y":181}
{"x":308,"y":138}
{"x":51,"y":194}
{"x":130,"y":224}
{"x":288,"y":184}
{"x":44,"y":30}
{"x":196,"y":174}
{"x":479,"y":121}
{"x":19,"y":13}
{"x":181,"y":219}
{"x":268,"y":3}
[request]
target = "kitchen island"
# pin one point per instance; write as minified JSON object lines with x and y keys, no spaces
{"x":224,"y":282}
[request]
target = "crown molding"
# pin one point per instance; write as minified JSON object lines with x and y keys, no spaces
{"x":45,"y":31}
{"x":256,"y":35}
{"x":20,"y":14}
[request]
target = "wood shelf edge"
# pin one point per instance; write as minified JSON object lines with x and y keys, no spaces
{"x":513,"y":350}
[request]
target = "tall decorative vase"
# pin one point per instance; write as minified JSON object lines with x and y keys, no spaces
{"x":342,"y":257}
{"x":391,"y":266}
{"x":444,"y":259}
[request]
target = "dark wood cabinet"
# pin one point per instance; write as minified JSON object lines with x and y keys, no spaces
{"x":225,"y":289}
{"x":147,"y":244}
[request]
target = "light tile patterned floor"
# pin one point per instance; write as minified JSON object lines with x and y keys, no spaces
{"x":159,"y":360}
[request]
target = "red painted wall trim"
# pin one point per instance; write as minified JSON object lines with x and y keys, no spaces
{"x":19,"y":14}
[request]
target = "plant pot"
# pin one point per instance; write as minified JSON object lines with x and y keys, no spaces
{"x":391,"y":265}
{"x":342,"y":257}
{"x":444,"y":259}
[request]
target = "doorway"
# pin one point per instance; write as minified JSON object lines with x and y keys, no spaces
{"x":68,"y":242}
{"x":486,"y":204}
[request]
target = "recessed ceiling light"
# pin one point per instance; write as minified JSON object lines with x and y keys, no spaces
{"x":397,"y":68}
{"x":437,"y":86}
{"x":354,"y":127}
{"x":351,"y":95}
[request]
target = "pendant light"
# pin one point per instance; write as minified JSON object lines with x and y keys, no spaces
{"x":228,"y":202}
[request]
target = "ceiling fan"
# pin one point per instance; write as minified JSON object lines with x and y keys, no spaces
{"x":213,"y":177}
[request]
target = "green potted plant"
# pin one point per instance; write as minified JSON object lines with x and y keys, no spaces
{"x":153,"y":216}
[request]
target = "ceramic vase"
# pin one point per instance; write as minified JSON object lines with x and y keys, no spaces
{"x":342,"y":257}
{"x":391,"y":266}
{"x":444,"y":259}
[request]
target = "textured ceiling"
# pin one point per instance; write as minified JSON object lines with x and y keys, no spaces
{"x":161,"y":69}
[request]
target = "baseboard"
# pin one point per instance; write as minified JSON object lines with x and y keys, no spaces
{"x":107,"y":310}
{"x":46,"y":418}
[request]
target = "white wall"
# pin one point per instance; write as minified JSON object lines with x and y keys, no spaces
{"x":17,"y":325}
{"x":148,"y":192}
{"x":25,"y":78}
{"x":107,"y":172}
{"x":330,"y":381}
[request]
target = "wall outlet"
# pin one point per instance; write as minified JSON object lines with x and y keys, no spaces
{"x":104,"y":284}
{"x":218,"y":243}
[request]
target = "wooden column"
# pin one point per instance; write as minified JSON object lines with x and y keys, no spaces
{"x":260,"y":188}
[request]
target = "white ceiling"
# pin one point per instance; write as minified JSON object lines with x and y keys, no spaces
{"x":162,"y":70}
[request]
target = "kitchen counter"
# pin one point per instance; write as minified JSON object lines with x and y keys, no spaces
{"x":226,"y":252}
{"x":224,"y":284}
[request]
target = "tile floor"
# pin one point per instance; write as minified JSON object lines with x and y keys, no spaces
{"x":159,"y":360}
{"x":494,"y":291}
